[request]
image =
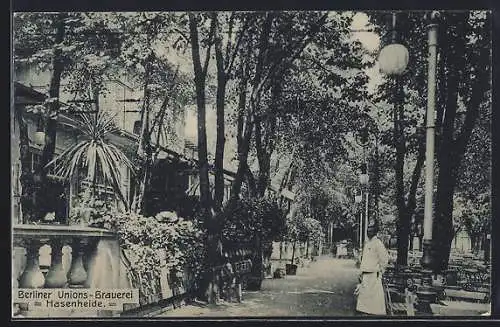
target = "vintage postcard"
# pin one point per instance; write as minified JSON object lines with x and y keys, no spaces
{"x":232,"y":164}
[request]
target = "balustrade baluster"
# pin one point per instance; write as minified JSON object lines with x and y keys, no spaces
{"x":16,"y":268}
{"x":64,"y":269}
{"x":32,"y":276}
{"x":56,"y":277}
{"x":77,"y":275}
{"x":89,"y":253}
{"x":15,"y":283}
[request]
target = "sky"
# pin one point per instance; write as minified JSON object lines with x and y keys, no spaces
{"x":371,"y":41}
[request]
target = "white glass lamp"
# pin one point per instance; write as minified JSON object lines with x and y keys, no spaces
{"x":364,"y":179}
{"x":39,"y":138}
{"x":393,"y":58}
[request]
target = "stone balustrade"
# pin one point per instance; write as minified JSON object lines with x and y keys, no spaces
{"x":62,"y":256}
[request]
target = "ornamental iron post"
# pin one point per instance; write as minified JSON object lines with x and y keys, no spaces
{"x":426,"y":292}
{"x":429,"y":143}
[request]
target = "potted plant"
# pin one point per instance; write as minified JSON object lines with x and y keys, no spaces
{"x":95,"y":160}
{"x":291,"y":268}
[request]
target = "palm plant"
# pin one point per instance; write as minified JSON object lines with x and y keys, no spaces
{"x":95,"y":154}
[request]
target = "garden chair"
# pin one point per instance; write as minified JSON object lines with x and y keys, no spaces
{"x":395,"y":307}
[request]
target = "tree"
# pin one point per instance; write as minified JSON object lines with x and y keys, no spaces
{"x":224,"y":62}
{"x":53,"y":50}
{"x":299,"y":93}
{"x":200,"y":74}
{"x":61,"y":43}
{"x":463,"y":77}
{"x":399,"y":98}
{"x":245,"y":121}
{"x":466,"y":71}
{"x":142,"y":35}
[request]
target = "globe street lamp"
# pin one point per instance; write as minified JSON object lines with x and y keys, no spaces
{"x":364,"y":178}
{"x":358,"y":198}
{"x":393,"y":58}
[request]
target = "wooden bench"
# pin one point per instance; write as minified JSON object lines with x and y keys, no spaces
{"x":466,"y":295}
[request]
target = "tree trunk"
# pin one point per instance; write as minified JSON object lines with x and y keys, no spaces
{"x":452,"y":150}
{"x":51,"y":122}
{"x":199,"y":80}
{"x":443,"y":222}
{"x":376,"y":183}
{"x":472,"y":242}
{"x":144,"y":150}
{"x":245,"y":128}
{"x":213,"y":248}
{"x":220,"y":99}
{"x":26,"y":176}
{"x":403,"y":222}
{"x":265,"y":138}
{"x":264,"y":174}
{"x":244,"y":137}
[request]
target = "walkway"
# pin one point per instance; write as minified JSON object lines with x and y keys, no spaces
{"x":325,"y":288}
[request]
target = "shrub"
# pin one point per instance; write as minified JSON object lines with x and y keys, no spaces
{"x":301,"y":228}
{"x":148,"y":239}
{"x":250,"y":217}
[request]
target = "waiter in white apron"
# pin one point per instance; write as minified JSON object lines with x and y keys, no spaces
{"x":374,"y":261}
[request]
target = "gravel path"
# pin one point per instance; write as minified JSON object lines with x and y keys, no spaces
{"x":324,"y":288}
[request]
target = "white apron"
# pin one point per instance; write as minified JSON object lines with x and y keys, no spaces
{"x":371,"y":297}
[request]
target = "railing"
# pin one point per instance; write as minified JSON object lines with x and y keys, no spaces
{"x":61,"y":256}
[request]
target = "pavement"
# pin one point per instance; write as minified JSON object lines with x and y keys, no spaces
{"x":322,"y":288}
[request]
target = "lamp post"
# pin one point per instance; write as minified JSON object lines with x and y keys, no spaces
{"x":427,"y":293}
{"x":357,"y":200}
{"x":429,"y":142}
{"x":393,"y":60}
{"x":363,"y":180}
